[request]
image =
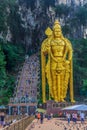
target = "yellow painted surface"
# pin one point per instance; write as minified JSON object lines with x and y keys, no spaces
{"x":56,"y":61}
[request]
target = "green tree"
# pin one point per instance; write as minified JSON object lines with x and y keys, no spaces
{"x":2,"y":69}
{"x":3,"y":15}
{"x":2,"y":73}
{"x":10,"y":59}
{"x":13,"y":55}
{"x":80,"y":65}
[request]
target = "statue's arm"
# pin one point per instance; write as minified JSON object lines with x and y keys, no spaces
{"x":43,"y":64}
{"x":70,"y":58}
{"x":69,"y":49}
{"x":70,"y":53}
{"x":43,"y":47}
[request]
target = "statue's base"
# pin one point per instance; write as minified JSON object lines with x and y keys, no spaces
{"x":55,"y":107}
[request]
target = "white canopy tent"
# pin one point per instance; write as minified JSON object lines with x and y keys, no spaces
{"x":81,"y":107}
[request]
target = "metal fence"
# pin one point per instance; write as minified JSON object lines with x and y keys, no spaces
{"x":20,"y":124}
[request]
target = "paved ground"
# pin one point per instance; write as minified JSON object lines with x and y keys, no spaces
{"x":56,"y":124}
{"x":0,"y":128}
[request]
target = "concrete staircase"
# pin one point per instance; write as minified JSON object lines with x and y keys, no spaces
{"x":27,"y":81}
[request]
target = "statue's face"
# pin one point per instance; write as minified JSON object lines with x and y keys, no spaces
{"x":57,"y":33}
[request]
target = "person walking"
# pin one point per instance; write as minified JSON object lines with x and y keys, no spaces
{"x":41,"y":118}
{"x":2,"y":116}
{"x":74,"y":117}
{"x":68,"y":117}
{"x":82,"y":116}
{"x":38,"y":116}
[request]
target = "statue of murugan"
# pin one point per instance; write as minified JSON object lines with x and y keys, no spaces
{"x":56,"y":62}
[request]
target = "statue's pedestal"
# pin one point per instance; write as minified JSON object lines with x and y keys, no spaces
{"x":56,"y":107}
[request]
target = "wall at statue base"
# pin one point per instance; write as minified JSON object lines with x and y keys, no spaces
{"x":56,"y":107}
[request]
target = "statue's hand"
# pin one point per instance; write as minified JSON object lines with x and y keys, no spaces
{"x":67,"y":62}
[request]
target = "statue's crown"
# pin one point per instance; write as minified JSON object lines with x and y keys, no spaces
{"x":56,"y":24}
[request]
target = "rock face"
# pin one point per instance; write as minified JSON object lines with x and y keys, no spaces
{"x":70,"y":2}
{"x":36,"y":15}
{"x":34,"y":22}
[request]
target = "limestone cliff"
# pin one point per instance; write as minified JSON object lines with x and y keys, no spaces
{"x":28,"y":19}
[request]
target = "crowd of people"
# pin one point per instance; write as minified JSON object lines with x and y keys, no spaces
{"x":27,"y":84}
{"x":74,"y":117}
{"x":71,"y":121}
{"x":7,"y":120}
{"x":40,"y":116}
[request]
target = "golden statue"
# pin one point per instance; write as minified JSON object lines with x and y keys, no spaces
{"x":56,"y":60}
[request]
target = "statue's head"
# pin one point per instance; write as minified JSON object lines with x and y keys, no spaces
{"x":57,"y":29}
